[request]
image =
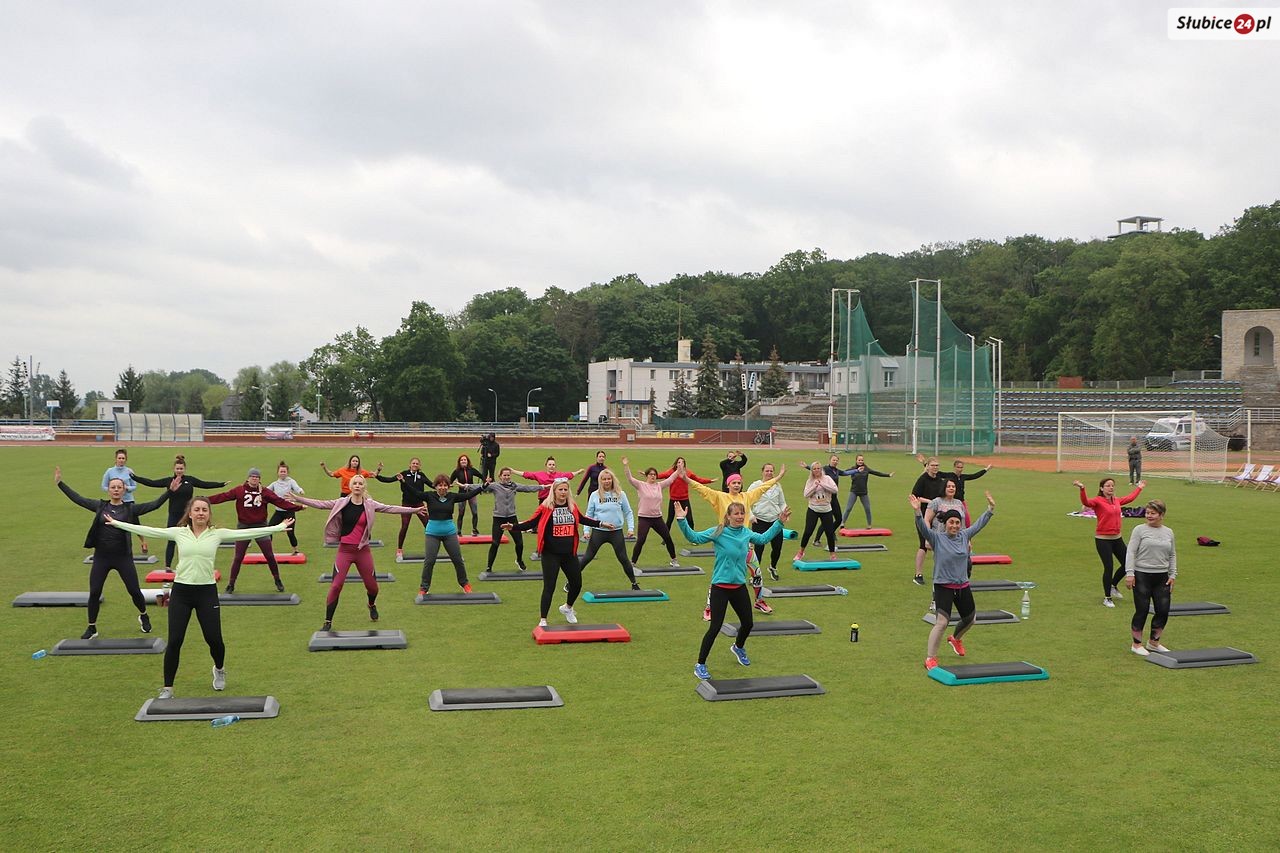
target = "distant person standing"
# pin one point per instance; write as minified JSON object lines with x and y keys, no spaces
{"x":122,"y":472}
{"x":732,"y":464}
{"x":858,"y":476}
{"x":412,"y":484}
{"x":928,"y":486}
{"x":1152,"y":568}
{"x":489,"y":451}
{"x":344,"y":475}
{"x":1135,"y":461}
{"x":180,"y":498}
{"x":1108,"y":536}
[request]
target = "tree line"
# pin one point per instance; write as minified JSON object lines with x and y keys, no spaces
{"x":1145,"y":304}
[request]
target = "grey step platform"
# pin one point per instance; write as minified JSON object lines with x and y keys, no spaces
{"x":208,"y":708}
{"x":669,"y":571}
{"x":530,"y":575}
{"x":111,"y":646}
{"x":327,"y":641}
{"x":137,"y":558}
{"x":983,"y":617}
{"x":999,"y":585}
{"x":697,"y":552}
{"x":457,"y":598}
{"x":259,"y":599}
{"x":354,"y":577}
{"x":494,"y":698}
{"x":773,"y":628}
{"x":1194,"y":608}
{"x":861,"y":548}
{"x":54,"y":599}
{"x":798,"y":591}
{"x":725,"y":689}
{"x":1197,"y":658}
{"x":415,"y":558}
{"x":373,"y":543}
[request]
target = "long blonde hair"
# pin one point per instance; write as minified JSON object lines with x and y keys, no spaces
{"x":550,"y":500}
{"x":724,"y":522}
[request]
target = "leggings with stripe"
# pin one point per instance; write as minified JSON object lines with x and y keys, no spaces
{"x":183,"y":599}
{"x":348,"y":556}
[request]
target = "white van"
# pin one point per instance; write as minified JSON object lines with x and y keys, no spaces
{"x":1174,"y":433}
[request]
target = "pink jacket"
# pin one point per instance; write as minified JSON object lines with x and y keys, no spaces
{"x":649,"y":497}
{"x":333,"y":524}
{"x":819,"y":493}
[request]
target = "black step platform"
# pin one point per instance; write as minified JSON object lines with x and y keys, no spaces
{"x":983,"y":617}
{"x":457,"y":598}
{"x":328,"y":641}
{"x":773,"y":628}
{"x":494,"y":698}
{"x":54,"y":599}
{"x":1197,"y":658}
{"x":726,"y":689}
{"x":259,"y":599}
{"x":373,"y":543}
{"x":354,"y":577}
{"x":1195,"y":608}
{"x":669,"y":571}
{"x":999,"y":585}
{"x":530,"y":575}
{"x":137,"y":558}
{"x":799,"y":591}
{"x":208,"y":708}
{"x":111,"y":646}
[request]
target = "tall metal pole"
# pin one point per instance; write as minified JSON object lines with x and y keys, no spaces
{"x":937,"y":382}
{"x":914,"y":355}
{"x":973,"y":382}
{"x":495,"y":405}
{"x":999,"y":399}
{"x":831,"y":361}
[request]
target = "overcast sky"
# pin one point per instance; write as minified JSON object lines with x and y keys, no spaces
{"x":224,"y":184}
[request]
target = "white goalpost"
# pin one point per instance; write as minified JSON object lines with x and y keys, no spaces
{"x":1173,"y":443}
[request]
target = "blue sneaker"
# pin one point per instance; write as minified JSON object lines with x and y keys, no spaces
{"x":741,"y":654}
{"x":700,"y":670}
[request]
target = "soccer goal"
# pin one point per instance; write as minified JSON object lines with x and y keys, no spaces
{"x":1173,"y":443}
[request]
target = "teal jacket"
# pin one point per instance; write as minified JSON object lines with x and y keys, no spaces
{"x":732,"y":546}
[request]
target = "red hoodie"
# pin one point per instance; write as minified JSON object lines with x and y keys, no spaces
{"x":1108,"y":511}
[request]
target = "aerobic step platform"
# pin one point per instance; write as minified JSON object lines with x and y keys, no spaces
{"x":625,"y":595}
{"x":373,"y":543}
{"x":1194,"y":608}
{"x":258,"y":559}
{"x":825,"y":565}
{"x":259,"y":599}
{"x":482,"y":539}
{"x":982,"y":617}
{"x":855,"y":532}
{"x":327,"y":641}
{"x":354,"y":577}
{"x":553,"y":634}
{"x":147,"y":559}
{"x":110,"y":646}
{"x":987,"y":673}
{"x":992,"y":559}
{"x":166,"y":576}
{"x":725,"y":689}
{"x":54,"y":599}
{"x":860,"y":547}
{"x":531,"y":575}
{"x":1197,"y":658}
{"x":494,"y":698}
{"x":773,"y":628}
{"x":669,"y":571}
{"x":798,"y":591}
{"x":1000,"y":585}
{"x":457,"y":598}
{"x":697,"y":552}
{"x":208,"y":708}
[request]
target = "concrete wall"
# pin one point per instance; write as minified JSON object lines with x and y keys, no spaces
{"x":1248,"y":341}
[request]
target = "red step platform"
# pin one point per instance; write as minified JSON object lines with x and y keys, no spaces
{"x":855,"y":532}
{"x":257,"y":559}
{"x":992,"y":559}
{"x":166,"y":576}
{"x":482,"y":539}
{"x":581,"y":634}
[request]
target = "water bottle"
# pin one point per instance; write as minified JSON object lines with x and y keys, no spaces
{"x":842,"y":591}
{"x":166,"y":590}
{"x":39,"y":654}
{"x":853,"y":633}
{"x":225,"y":721}
{"x":1026,"y":604}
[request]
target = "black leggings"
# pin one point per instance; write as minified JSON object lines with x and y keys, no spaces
{"x":451,"y":548}
{"x":551,"y":566}
{"x":1107,"y":550}
{"x":721,"y":599}
{"x":488,"y":469}
{"x":203,"y":599}
{"x":171,"y":547}
{"x":775,"y":545}
{"x":671,"y":511}
{"x":600,"y":536}
{"x":517,"y":539}
{"x":1150,"y":588}
{"x":811,"y":519}
{"x":279,"y":516}
{"x":103,"y":563}
{"x":836,"y":518}
{"x":643,"y":523}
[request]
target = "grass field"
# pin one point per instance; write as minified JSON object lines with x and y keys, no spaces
{"x":1110,"y":753}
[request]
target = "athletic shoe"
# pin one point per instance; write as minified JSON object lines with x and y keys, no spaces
{"x":762,"y":606}
{"x":918,"y":580}
{"x":165,"y":693}
{"x":569,"y":615}
{"x":279,"y":585}
{"x":956,"y":645}
{"x":675,"y":564}
{"x":219,"y":679}
{"x":1115,"y":593}
{"x":327,"y":626}
{"x":1106,"y":602}
{"x":144,"y":622}
{"x":1138,"y":649}
{"x":89,"y":633}
{"x":1154,"y":646}
{"x":231,"y":589}
{"x":700,"y":670}
{"x":399,"y":553}
{"x":930,"y":663}
{"x":933,"y":606}
{"x":799,"y":555}
{"x":635,"y":586}
{"x":522,"y":567}
{"x":706,"y":614}
{"x":475,"y":532}
{"x":740,"y":653}
{"x":294,"y":552}
{"x":773,"y":573}
{"x":466,"y":587}
{"x":542,"y":623}
{"x":373,"y":613}
{"x":832,"y":555}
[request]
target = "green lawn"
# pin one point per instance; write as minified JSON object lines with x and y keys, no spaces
{"x":1110,"y":753}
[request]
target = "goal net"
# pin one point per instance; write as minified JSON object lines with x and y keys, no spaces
{"x":1172,"y":443}
{"x":153,"y":427}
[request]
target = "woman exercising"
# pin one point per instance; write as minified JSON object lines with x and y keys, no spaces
{"x":180,"y":498}
{"x":819,"y":491}
{"x":950,"y":575}
{"x":609,"y":503}
{"x":649,"y":508}
{"x":678,"y":495}
{"x":928,"y":486}
{"x":732,"y":542}
{"x":111,"y":548}
{"x":858,"y":476}
{"x":591,"y":480}
{"x":1152,"y":569}
{"x":350,"y":524}
{"x":194,"y":589}
{"x":124,"y":473}
{"x":251,"y":501}
{"x":409,"y":477}
{"x":284,"y":486}
{"x":504,"y":492}
{"x":766,"y":510}
{"x":465,"y":475}
{"x":1107,"y":536}
{"x":344,"y":475}
{"x":442,"y":531}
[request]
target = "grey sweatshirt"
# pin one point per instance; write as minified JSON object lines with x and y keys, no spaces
{"x":951,"y":553}
{"x":1151,"y":549}
{"x":504,"y":496}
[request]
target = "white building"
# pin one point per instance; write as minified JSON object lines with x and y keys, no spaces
{"x":108,"y":409}
{"x":623,"y":389}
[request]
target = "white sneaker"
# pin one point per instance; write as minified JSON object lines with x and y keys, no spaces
{"x":166,"y":693}
{"x":219,"y":679}
{"x":1156,"y":647}
{"x":1115,"y":593}
{"x":1106,"y":602}
{"x":675,"y":564}
{"x":569,"y":615}
{"x":542,"y":623}
{"x":1139,"y":650}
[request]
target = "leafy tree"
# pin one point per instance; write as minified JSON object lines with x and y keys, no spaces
{"x":212,"y":399}
{"x":510,"y":356}
{"x":421,"y":365}
{"x":65,"y":393}
{"x":16,"y":388}
{"x":285,"y":386}
{"x":735,"y":396}
{"x":249,"y":385}
{"x":774,"y":382}
{"x":682,"y":403}
{"x":348,"y":372}
{"x":89,"y":411}
{"x":511,"y":301}
{"x":130,"y":387}
{"x":709,"y":399}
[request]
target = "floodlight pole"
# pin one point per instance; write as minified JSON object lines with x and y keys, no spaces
{"x":866,"y":369}
{"x":973,"y":375}
{"x":533,"y":420}
{"x":495,"y":405}
{"x":999,"y":401}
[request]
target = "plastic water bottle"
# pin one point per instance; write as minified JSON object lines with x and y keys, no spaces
{"x":853,"y":633}
{"x":1026,"y":604}
{"x":842,"y":591}
{"x":166,"y":590}
{"x":39,"y":654}
{"x":225,"y":721}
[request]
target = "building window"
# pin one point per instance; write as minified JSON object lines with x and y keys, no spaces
{"x":889,"y":377}
{"x":653,"y":374}
{"x":673,"y":375}
{"x":1257,"y":344}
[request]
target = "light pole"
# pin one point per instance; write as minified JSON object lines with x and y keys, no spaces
{"x":999,"y":385}
{"x":533,"y":421}
{"x":866,"y":369}
{"x":495,"y":405}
